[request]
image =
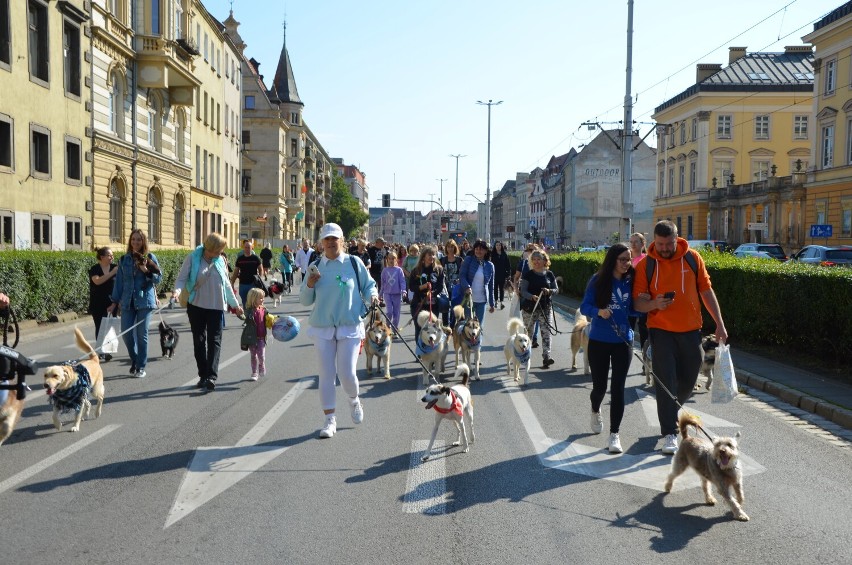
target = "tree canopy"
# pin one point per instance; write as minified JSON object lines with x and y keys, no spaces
{"x":345,"y":210}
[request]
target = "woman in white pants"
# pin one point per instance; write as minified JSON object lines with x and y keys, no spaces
{"x":336,"y":290}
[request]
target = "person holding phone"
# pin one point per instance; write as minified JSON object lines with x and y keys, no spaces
{"x":672,"y":296}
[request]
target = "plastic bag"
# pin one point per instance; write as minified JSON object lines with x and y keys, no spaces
{"x":108,"y":336}
{"x":724,"y":386}
{"x":515,"y":306}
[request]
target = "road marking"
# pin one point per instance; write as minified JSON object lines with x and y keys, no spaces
{"x":649,"y":408}
{"x":647,"y":470}
{"x":426,"y":485}
{"x":222,"y":365}
{"x":15,"y":480}
{"x":213,"y":470}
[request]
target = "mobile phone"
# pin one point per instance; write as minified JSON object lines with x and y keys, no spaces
{"x":670,"y":295}
{"x":314,"y":270}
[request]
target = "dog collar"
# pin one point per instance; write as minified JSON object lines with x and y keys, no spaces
{"x":456,"y":405}
{"x":73,"y":397}
{"x":380,"y":348}
{"x":524,"y":357}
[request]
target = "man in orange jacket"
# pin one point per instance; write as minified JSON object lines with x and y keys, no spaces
{"x":675,"y":325}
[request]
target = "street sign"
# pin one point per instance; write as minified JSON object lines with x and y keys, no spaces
{"x":757,"y":226}
{"x":821,"y":230}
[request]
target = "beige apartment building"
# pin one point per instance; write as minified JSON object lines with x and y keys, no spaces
{"x":45,"y":182}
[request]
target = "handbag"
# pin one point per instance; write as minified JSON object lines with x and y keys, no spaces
{"x":108,"y":336}
{"x":724,"y":386}
{"x":443,"y":303}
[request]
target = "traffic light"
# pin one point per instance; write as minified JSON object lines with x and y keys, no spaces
{"x":385,"y":200}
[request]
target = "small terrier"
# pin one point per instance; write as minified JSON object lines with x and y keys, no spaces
{"x":716,"y":463}
{"x":168,"y":340}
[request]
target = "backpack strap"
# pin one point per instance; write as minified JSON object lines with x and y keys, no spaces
{"x":651,"y":264}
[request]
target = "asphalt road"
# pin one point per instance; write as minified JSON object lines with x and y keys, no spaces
{"x":170,"y":475}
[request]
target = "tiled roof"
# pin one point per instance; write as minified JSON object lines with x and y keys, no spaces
{"x":284,"y":85}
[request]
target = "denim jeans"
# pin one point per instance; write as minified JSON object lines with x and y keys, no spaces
{"x":136,"y":340}
{"x":478,"y":309}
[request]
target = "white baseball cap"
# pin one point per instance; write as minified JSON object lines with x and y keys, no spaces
{"x":331,"y":230}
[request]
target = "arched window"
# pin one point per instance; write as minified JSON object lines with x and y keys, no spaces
{"x":116,"y":106}
{"x":155,"y":123}
{"x":116,"y":211}
{"x":179,"y":212}
{"x":154,"y":211}
{"x":180,"y":137}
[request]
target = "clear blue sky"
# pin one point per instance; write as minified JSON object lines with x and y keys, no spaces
{"x":391,"y":85}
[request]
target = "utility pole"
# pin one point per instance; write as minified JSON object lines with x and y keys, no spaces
{"x":458,"y":216}
{"x":488,"y":171}
{"x":627,"y":143}
{"x":442,"y":193}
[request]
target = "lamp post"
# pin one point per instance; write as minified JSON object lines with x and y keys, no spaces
{"x":488,"y":170}
{"x":442,"y":191}
{"x":485,"y":231}
{"x":457,"y":157}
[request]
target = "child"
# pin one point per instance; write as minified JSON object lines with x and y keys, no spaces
{"x":254,"y":332}
{"x":393,"y":287}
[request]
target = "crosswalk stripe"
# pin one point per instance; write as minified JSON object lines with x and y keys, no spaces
{"x":426,"y":485}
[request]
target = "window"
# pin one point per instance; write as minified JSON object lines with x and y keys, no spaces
{"x":694,"y":129}
{"x":294,"y":148}
{"x":672,"y":136}
{"x":294,"y":193}
{"x":830,"y":76}
{"x":116,"y":106}
{"x":246,"y":136}
{"x":41,"y":231}
{"x":722,"y":172}
{"x":5,"y":35}
{"x":155,"y":17}
{"x":760,"y":170}
{"x":73,"y":161}
{"x":827,"y":147}
{"x":689,"y":227}
{"x":682,"y":133}
{"x":205,"y":108}
{"x":178,"y":21}
{"x":681,"y":178}
{"x":294,"y":118}
{"x":38,"y":40}
{"x":800,"y":127}
{"x":180,"y":137}
{"x":154,"y":217}
{"x":71,"y":58}
{"x":179,"y":213}
{"x":40,"y":152}
{"x":73,"y":233}
{"x":7,"y":143}
{"x":204,"y":180}
{"x":249,"y":102}
{"x":7,"y":230}
{"x":723,"y":126}
{"x":671,"y":181}
{"x":246,"y":181}
{"x":693,"y":176}
{"x":197,"y":166}
{"x":116,"y":211}
{"x":761,"y":127}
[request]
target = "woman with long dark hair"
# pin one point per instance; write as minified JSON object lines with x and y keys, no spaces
{"x":477,"y":280}
{"x":608,"y":303}
{"x":426,"y":282}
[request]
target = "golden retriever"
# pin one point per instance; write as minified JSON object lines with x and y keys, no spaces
{"x":69,"y":388}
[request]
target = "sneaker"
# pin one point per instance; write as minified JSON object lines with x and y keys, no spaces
{"x":132,"y":370}
{"x":254,"y":376}
{"x":357,"y":411}
{"x":202,"y":383}
{"x":615,"y":444}
{"x":329,"y":429}
{"x":547,"y":362}
{"x":670,"y":445}
{"x":209,"y":385}
{"x":597,"y":422}
{"x":141,"y":374}
{"x":535,"y":343}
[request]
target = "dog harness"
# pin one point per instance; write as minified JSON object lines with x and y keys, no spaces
{"x":73,"y":397}
{"x":456,"y":405}
{"x":423,"y":349}
{"x":473,"y":343}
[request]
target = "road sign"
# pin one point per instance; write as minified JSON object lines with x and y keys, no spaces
{"x":821,"y":230}
{"x":757,"y":226}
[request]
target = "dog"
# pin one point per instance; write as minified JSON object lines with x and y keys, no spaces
{"x":467,"y":339}
{"x":11,"y":408}
{"x":716,"y":463}
{"x":69,"y":388}
{"x":378,"y":345}
{"x":517,"y":350}
{"x":275,"y":290}
{"x":145,"y":261}
{"x":431,"y":344}
{"x":709,"y":343}
{"x":451,"y":403}
{"x":580,"y":339}
{"x":168,"y":340}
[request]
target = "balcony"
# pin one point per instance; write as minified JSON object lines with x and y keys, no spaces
{"x":310,"y":219}
{"x":310,"y":196}
{"x":309,"y":153}
{"x":163,"y":64}
{"x":293,"y":205}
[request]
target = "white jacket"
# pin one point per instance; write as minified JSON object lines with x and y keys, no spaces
{"x":303,"y":258}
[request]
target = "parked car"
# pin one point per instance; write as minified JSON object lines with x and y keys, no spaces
{"x":587,"y":250}
{"x":773,"y":249}
{"x":756,"y":254}
{"x":825,"y":256}
{"x":602,"y":247}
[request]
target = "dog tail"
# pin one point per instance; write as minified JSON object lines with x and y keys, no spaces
{"x":458,"y":312}
{"x":515,"y":325}
{"x":83,"y":344}
{"x":463,"y":371}
{"x":686,"y":419}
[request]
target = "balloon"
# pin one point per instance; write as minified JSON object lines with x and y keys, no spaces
{"x":285,"y":328}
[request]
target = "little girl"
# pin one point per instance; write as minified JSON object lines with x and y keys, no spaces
{"x":393,"y":287}
{"x":254,"y":333}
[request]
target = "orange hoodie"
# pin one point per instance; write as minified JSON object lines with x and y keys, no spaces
{"x":676,"y":275}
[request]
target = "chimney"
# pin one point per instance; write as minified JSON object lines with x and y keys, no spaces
{"x":789,"y":49}
{"x":735,"y":53}
{"x":706,"y":70}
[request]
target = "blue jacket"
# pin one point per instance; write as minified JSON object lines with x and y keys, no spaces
{"x":468,"y":271}
{"x":131,"y":283}
{"x":621,"y":306}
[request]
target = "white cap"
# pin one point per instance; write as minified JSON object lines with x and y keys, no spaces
{"x":331,"y":230}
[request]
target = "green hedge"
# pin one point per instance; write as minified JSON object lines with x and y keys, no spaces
{"x":803,"y":307}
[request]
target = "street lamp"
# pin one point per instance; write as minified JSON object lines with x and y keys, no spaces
{"x":488,"y":170}
{"x":457,"y":157}
{"x":442,"y":191}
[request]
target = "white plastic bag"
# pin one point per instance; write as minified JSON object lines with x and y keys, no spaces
{"x":724,"y":386}
{"x":108,"y":336}
{"x":515,"y":306}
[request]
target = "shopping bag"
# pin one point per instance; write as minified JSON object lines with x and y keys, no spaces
{"x":515,"y":306}
{"x":108,"y":336}
{"x":724,"y":386}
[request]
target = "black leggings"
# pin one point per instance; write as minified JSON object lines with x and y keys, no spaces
{"x":600,"y":355}
{"x":499,"y":289}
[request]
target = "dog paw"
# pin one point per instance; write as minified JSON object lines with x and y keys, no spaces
{"x":742,"y":517}
{"x":75,"y":428}
{"x":456,"y":443}
{"x":710,"y":501}
{"x":466,"y":450}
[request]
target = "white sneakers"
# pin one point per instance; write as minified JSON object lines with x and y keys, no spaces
{"x":357,"y":411}
{"x":670,"y":444}
{"x":330,"y":427}
{"x":254,"y":376}
{"x":597,"y":422}
{"x":615,"y":444}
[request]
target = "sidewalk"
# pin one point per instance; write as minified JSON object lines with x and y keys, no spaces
{"x":804,"y":390}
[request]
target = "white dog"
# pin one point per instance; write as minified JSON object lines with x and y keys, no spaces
{"x":451,"y":403}
{"x":431,"y":344}
{"x":517,"y":350}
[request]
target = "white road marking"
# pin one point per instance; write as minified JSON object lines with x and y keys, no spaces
{"x":222,"y":365}
{"x":649,"y":408}
{"x":426,"y":485}
{"x":213,"y":470}
{"x":15,"y":480}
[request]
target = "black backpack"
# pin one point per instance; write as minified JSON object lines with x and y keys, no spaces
{"x":651,"y":264}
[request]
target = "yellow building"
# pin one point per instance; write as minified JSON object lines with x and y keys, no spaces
{"x":740,"y":124}
{"x":829,"y":183}
{"x":45,"y":179}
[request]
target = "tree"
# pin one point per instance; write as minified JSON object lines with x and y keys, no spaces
{"x":470,"y":231}
{"x":345,"y":210}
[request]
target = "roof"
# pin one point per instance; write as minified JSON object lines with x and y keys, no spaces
{"x":284,"y":85}
{"x":834,"y":15}
{"x":790,"y":71}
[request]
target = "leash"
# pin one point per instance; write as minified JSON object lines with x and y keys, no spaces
{"x":657,"y":380}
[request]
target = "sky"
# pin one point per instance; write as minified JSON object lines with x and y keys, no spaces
{"x":391,"y":86}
